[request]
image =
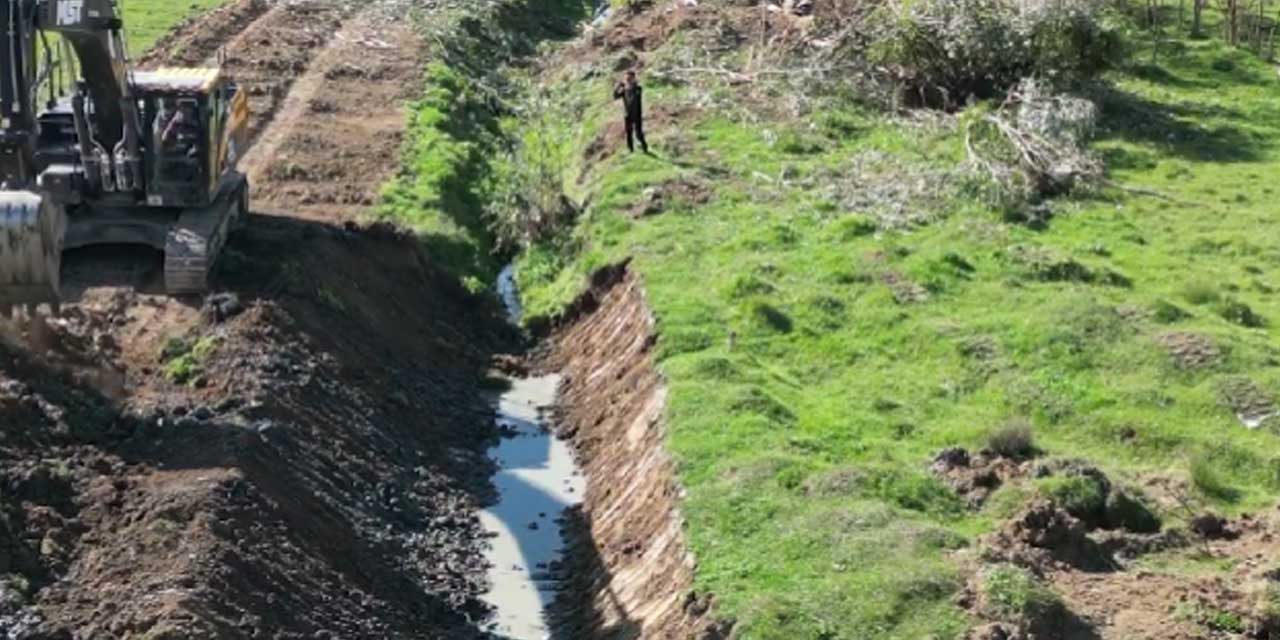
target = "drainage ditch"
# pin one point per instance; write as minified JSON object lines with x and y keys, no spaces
{"x":537,"y":479}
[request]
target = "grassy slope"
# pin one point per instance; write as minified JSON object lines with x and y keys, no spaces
{"x":804,"y":440}
{"x":455,"y":133}
{"x":147,"y":20}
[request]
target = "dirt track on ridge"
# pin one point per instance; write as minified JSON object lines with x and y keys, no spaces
{"x":296,"y":456}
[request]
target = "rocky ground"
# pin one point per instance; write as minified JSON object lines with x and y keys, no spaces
{"x":300,"y":454}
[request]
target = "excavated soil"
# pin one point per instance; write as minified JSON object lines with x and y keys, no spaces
{"x":1210,"y":579}
{"x":630,"y":572}
{"x":299,"y":455}
{"x":1182,"y":594}
{"x":318,"y":476}
{"x":339,"y":132}
{"x":197,"y":39}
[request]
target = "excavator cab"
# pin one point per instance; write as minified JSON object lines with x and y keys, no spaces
{"x":195,"y":124}
{"x":111,"y":155}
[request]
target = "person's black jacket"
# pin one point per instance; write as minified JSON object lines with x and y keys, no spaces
{"x":632,"y":98}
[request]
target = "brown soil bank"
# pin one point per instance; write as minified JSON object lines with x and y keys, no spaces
{"x":315,"y":477}
{"x":296,"y":456}
{"x":630,"y":572}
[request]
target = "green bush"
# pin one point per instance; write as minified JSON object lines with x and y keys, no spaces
{"x":184,"y":360}
{"x":853,"y":225}
{"x":1200,"y":292}
{"x":1131,"y":513}
{"x":1012,"y":594}
{"x":1168,"y":313}
{"x":1240,"y":313}
{"x":1224,"y":621}
{"x":1014,"y":439}
{"x":528,"y":204}
{"x":915,"y":491}
{"x":1080,"y":495}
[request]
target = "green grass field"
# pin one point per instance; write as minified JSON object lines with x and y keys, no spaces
{"x":817,"y":364}
{"x":146,"y":20}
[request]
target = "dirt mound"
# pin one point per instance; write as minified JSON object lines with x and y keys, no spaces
{"x":198,"y":39}
{"x":338,"y":136}
{"x":1190,"y":350}
{"x":1043,"y":538}
{"x":1174,"y":594}
{"x":631,"y":573}
{"x":321,"y":480}
{"x":273,"y":51}
{"x":975,"y":477}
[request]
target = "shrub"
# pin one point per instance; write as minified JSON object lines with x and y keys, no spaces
{"x":854,"y":225}
{"x":1240,"y":313}
{"x":1124,"y":511}
{"x":1014,"y":439}
{"x":1012,"y":594}
{"x":942,"y":52}
{"x":1224,"y":621}
{"x":529,"y":204}
{"x":1169,"y":313}
{"x":914,"y":491}
{"x":184,"y":360}
{"x":767,"y":316}
{"x":1200,"y":292}
{"x":1081,"y":496}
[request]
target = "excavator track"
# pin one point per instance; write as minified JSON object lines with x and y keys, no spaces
{"x":196,"y":239}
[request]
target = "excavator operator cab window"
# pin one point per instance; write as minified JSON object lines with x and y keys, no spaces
{"x":176,"y":134}
{"x":178,"y":126}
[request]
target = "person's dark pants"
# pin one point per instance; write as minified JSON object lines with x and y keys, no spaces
{"x":635,"y":131}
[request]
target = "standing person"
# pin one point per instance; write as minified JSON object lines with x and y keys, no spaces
{"x":631,"y":93}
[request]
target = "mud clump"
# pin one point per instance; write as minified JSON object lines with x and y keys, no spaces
{"x":975,"y":477}
{"x":1190,"y":351}
{"x":995,"y":631}
{"x":1043,"y":538}
{"x":675,"y":193}
{"x":1212,"y":527}
{"x":199,"y":38}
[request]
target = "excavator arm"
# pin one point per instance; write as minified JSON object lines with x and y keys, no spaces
{"x":33,"y":225}
{"x":63,"y":189}
{"x":106,"y":113}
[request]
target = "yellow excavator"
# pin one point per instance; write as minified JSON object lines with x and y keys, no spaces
{"x":93,"y":152}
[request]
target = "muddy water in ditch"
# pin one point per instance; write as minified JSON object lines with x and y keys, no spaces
{"x":537,"y":480}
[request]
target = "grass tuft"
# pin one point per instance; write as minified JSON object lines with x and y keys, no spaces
{"x":1013,"y":594}
{"x":1014,"y":439}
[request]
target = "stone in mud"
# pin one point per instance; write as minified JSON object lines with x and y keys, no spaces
{"x":223,"y":306}
{"x":510,"y":364}
{"x":1210,"y":526}
{"x":994,"y":631}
